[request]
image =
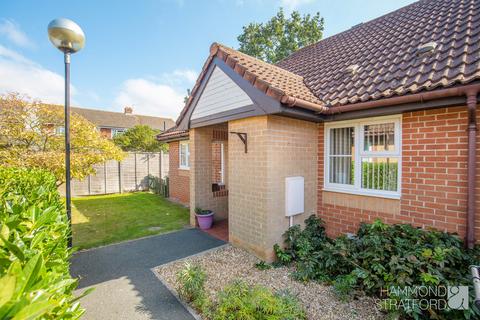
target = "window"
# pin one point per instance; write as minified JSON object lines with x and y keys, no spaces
{"x":60,"y":130}
{"x":364,"y":156}
{"x":184,"y":155}
{"x":116,"y":132}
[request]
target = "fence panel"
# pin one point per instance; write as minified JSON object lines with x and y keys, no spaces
{"x":131,"y":174}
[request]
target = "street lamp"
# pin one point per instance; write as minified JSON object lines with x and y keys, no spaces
{"x":69,"y":38}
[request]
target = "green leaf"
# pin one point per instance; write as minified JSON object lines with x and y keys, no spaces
{"x":31,"y":271}
{"x":34,"y":310}
{"x":13,"y":248}
{"x":7,"y":288}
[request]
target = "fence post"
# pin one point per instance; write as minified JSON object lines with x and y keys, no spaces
{"x":105,"y":176}
{"x":89,"y":183}
{"x":160,"y":165}
{"x":135,"y":169}
{"x":120,"y":189}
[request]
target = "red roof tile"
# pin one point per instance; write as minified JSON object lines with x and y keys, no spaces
{"x":386,"y":52}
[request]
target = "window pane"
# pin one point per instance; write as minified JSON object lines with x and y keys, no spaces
{"x":342,"y":141}
{"x":341,"y":169}
{"x":379,"y":137}
{"x":342,"y":149}
{"x":380,"y":173}
{"x":183,"y":155}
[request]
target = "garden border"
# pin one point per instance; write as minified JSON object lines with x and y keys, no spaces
{"x":174,"y":292}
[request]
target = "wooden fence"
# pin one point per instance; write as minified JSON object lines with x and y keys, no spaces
{"x":134,"y":173}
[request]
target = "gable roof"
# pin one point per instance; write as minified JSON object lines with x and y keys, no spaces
{"x":371,"y":61}
{"x":112,"y":119}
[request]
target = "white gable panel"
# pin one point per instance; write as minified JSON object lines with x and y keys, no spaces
{"x":220,"y":94}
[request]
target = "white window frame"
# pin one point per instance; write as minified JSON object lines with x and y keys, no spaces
{"x":187,"y":155}
{"x":115,"y":131}
{"x":358,"y":125}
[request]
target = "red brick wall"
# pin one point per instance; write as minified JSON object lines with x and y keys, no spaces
{"x":434,"y":178}
{"x":106,"y":132}
{"x":179,"y":179}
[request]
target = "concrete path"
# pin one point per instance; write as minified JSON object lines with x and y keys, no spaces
{"x":125,"y":286}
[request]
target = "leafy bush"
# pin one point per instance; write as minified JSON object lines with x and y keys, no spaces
{"x":241,"y":301}
{"x":34,"y":258}
{"x":382,"y":256}
{"x":191,"y":280}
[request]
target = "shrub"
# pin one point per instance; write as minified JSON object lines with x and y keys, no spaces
{"x":191,"y":280}
{"x":241,"y":301}
{"x":383,"y":256}
{"x":34,"y":258}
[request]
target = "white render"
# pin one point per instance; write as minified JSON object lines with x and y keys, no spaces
{"x":220,"y":94}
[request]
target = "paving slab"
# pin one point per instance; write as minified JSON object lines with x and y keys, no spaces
{"x":125,"y":286}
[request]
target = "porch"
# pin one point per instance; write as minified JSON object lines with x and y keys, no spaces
{"x":249,"y":195}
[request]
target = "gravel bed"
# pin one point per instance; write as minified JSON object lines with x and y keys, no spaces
{"x":228,"y":263}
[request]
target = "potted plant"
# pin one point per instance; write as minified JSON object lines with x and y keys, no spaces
{"x":204,"y":218}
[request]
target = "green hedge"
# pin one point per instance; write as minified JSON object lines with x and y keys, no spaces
{"x":34,"y":259}
{"x":382,"y":257}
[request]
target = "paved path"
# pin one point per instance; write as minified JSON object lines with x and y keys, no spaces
{"x":126,"y":288}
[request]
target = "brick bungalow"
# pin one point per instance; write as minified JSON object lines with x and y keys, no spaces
{"x":379,"y":121}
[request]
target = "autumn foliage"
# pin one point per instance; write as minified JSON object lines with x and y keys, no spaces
{"x":29,"y":137}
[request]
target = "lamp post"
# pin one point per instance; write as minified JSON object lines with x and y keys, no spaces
{"x":69,"y":38}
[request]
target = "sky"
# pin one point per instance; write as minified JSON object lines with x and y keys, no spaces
{"x":143,"y":53}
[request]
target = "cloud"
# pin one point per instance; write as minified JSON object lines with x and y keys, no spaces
{"x":12,"y":31}
{"x":186,"y":74}
{"x":159,"y":96}
{"x":150,"y":98}
{"x":293,"y":4}
{"x":19,"y":74}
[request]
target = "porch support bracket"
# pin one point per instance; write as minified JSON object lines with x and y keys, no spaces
{"x":243,"y":137}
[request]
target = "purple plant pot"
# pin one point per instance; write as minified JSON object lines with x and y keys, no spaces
{"x":205,"y":221}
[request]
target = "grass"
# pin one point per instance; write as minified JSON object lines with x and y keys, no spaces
{"x":100,"y":220}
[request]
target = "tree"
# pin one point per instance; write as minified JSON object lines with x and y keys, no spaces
{"x":30,"y":137}
{"x":139,"y":138}
{"x":280,"y":36}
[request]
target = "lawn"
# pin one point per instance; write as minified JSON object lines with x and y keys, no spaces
{"x":100,"y":220}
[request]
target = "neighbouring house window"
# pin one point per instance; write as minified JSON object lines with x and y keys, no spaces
{"x":184,"y":155}
{"x":364,"y":156}
{"x":116,"y":132}
{"x":60,"y":130}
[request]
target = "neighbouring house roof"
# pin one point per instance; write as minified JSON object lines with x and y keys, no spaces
{"x":173,"y":134}
{"x":121,"y":120}
{"x":385,"y":57}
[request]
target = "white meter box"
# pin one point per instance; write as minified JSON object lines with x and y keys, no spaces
{"x":294,"y":196}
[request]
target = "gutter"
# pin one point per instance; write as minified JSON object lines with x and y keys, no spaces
{"x":297,"y":102}
{"x":417,"y":97}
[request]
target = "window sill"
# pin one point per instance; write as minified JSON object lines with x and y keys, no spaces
{"x":363,"y":193}
{"x":183,"y":168}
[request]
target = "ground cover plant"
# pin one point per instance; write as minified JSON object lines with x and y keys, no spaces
{"x":382,"y":256}
{"x":34,"y":259}
{"x":237,"y":300}
{"x":100,"y":220}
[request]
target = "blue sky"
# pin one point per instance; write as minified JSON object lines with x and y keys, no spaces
{"x":143,"y":53}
